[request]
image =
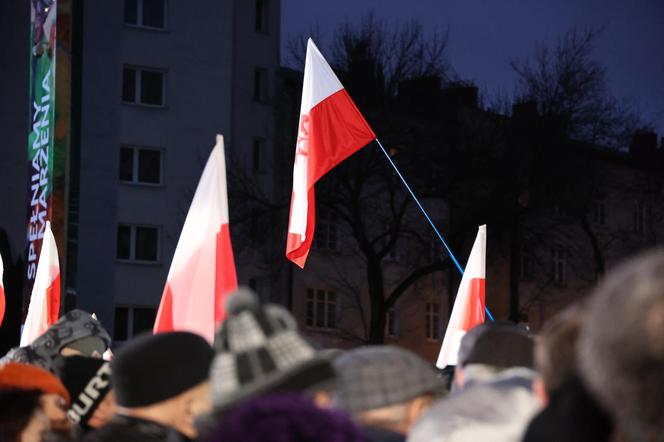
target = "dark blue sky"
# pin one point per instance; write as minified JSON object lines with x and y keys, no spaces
{"x":486,"y":34}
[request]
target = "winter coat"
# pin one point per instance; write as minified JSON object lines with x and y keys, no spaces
{"x":130,"y":429}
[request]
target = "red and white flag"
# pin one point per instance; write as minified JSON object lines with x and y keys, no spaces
{"x":202,"y":272}
{"x":331,"y":128}
{"x":468,"y":310}
{"x":44,"y":308}
{"x":2,"y":292}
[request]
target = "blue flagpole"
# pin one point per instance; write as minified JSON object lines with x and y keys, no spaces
{"x":426,"y":215}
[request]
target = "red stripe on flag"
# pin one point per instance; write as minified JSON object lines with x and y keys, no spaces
{"x":53,"y":301}
{"x":474,"y":313}
{"x":225,"y":277}
{"x":337,"y":129}
{"x":164,"y":320}
{"x":296,"y":249}
{"x":2,"y":303}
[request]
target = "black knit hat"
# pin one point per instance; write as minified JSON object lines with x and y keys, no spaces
{"x":88,"y":380}
{"x":259,"y":350}
{"x":152,"y":368}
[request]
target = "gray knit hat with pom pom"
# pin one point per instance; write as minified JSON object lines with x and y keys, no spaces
{"x":259,"y":350}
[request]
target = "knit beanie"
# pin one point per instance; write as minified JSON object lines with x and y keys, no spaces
{"x":259,"y":350}
{"x":29,"y":377}
{"x":153,"y":368}
{"x":500,"y":344}
{"x":285,"y":418}
{"x":88,"y":381}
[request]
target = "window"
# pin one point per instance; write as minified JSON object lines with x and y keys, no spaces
{"x":143,"y":86}
{"x":259,"y":158}
{"x":262,"y":15}
{"x":131,"y":321}
{"x":525,"y":264}
{"x":559,"y":261}
{"x":391,"y":322}
{"x":599,"y":212}
{"x":260,"y":85}
{"x":640,"y":217}
{"x":137,"y":243}
{"x":326,"y":230}
{"x":145,"y":13}
{"x":433,"y":321}
{"x":321,"y":309}
{"x":140,"y":165}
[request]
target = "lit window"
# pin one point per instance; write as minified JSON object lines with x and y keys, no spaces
{"x":143,"y":86}
{"x":262,"y":15}
{"x":433,"y":321}
{"x":559,"y":261}
{"x":326,"y":230}
{"x":137,"y":243}
{"x":260,"y":85}
{"x":145,"y":13}
{"x":131,"y":321}
{"x":140,"y":165}
{"x":321,"y":309}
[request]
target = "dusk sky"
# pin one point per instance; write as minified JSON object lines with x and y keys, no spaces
{"x":484,"y":35}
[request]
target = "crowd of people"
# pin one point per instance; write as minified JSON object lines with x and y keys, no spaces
{"x":595,"y":372}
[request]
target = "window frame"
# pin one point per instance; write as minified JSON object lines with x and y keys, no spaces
{"x":311,"y":297}
{"x":135,"y":165}
{"x":432,"y":317}
{"x":326,"y":222}
{"x":261,"y":95}
{"x":131,"y":310}
{"x":138,"y":86}
{"x":139,"y":17}
{"x":132,"y":244}
{"x":259,"y":162}
{"x":264,"y":19}
{"x":559,"y":266}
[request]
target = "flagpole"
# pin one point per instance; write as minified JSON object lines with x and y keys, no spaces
{"x":428,"y":218}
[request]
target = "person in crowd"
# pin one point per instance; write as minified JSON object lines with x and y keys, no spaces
{"x":53,"y":399}
{"x":88,"y":381}
{"x":621,"y":347}
{"x":161,"y":386}
{"x":386,"y":389}
{"x":571,"y":412}
{"x":286,"y":417}
{"x":258,"y":350}
{"x":493,"y":396}
{"x":489,"y":349}
{"x":21,"y":416}
{"x":75,"y":333}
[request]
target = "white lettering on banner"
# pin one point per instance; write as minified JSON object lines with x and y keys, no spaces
{"x":298,"y":222}
{"x":86,"y":399}
{"x":39,"y":186}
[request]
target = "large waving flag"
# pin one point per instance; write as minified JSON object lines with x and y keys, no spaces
{"x":202,"y":272}
{"x":44,"y":308}
{"x":331,"y":128}
{"x":2,"y":292}
{"x":468,"y":310}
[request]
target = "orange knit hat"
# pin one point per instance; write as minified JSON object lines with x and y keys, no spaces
{"x":30,"y":377}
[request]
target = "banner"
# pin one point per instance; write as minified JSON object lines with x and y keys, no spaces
{"x":41,"y":152}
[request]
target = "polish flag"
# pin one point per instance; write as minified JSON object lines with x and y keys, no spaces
{"x":202,"y":272}
{"x":468,"y":310}
{"x":331,"y":129}
{"x":44,"y":308}
{"x":2,"y":292}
